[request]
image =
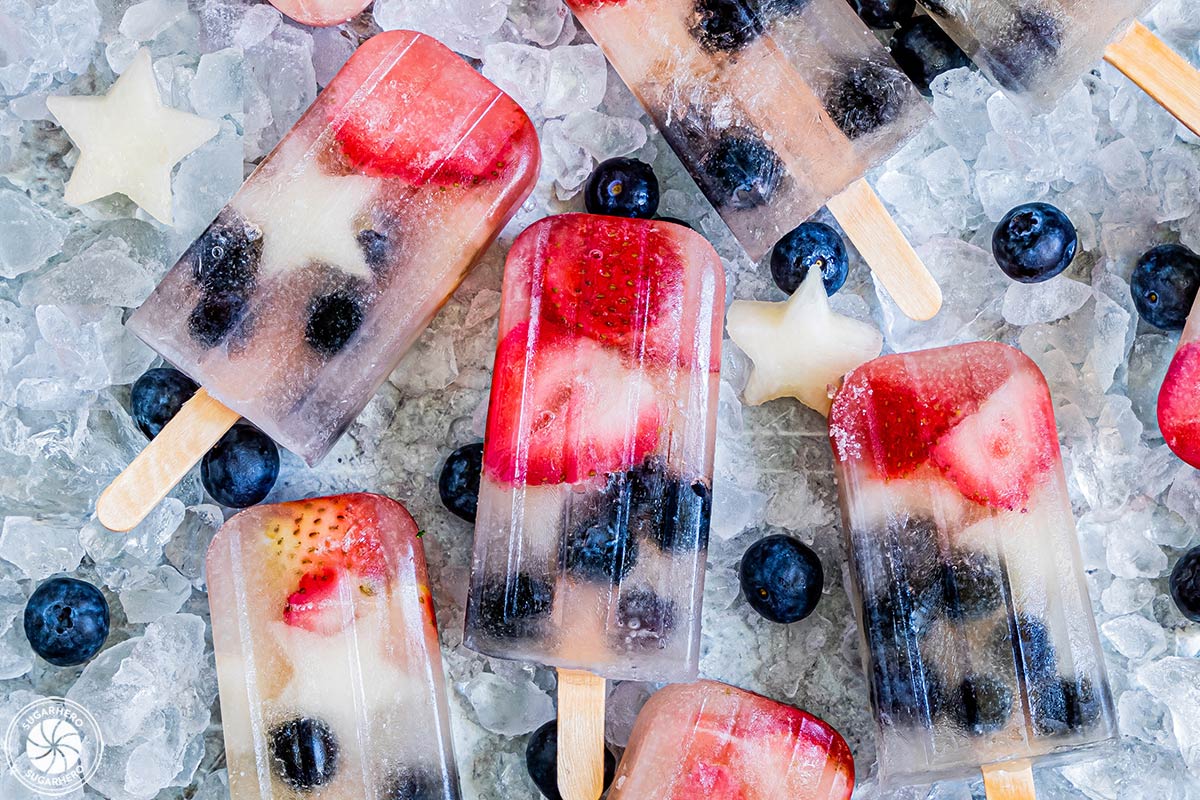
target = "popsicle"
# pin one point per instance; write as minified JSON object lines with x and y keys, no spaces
{"x":594,"y":502}
{"x":327,"y":654}
{"x":714,"y":741}
{"x":301,"y":297}
{"x":978,"y":636}
{"x":1179,"y":397}
{"x":321,"y":13}
{"x":775,"y":108}
{"x":1037,"y":49}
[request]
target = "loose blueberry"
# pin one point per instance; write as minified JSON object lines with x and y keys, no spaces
{"x":240,"y":470}
{"x":644,"y":620}
{"x":214,"y":316}
{"x":411,"y":783}
{"x":458,"y":484}
{"x":601,"y":549}
{"x":742,"y":171}
{"x":375,"y":248}
{"x":675,"y":221}
{"x":1034,"y":242}
{"x":332,"y":320}
{"x":304,"y":753}
{"x":512,"y":608}
{"x":1164,"y":285}
{"x":225,"y":257}
{"x":972,"y":586}
{"x":813,"y":244}
{"x":981,"y":704}
{"x":924,"y":51}
{"x":868,"y":97}
{"x":66,"y":621}
{"x":541,"y":759}
{"x":1185,"y":584}
{"x":1030,"y":44}
{"x":622,"y":187}
{"x":157,"y":396}
{"x":781,"y":578}
{"x":727,"y":25}
{"x":884,"y":13}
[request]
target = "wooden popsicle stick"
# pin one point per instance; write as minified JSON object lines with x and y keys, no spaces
{"x":1011,"y":781}
{"x":580,"y":735}
{"x":884,"y":247}
{"x":179,"y":445}
{"x":1161,"y":72}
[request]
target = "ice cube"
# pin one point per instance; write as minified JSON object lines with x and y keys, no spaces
{"x":41,"y":547}
{"x":508,"y":706}
{"x":29,"y":235}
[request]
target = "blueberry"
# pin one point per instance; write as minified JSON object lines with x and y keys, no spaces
{"x":304,"y":753}
{"x":915,"y":556}
{"x":66,"y":621}
{"x":1185,"y":584}
{"x":157,"y":396}
{"x":541,"y":759}
{"x":868,"y":97}
{"x":675,"y":221}
{"x":1029,"y":45}
{"x":375,"y":247}
{"x":972,"y":586}
{"x":225,"y":257}
{"x":601,"y":549}
{"x":813,"y":244}
{"x":411,"y":783}
{"x":742,"y":172}
{"x":781,"y":578}
{"x":906,"y":688}
{"x":1035,"y":658}
{"x":924,"y":51}
{"x":332,"y":320}
{"x":240,"y":470}
{"x":512,"y":608}
{"x":1034,"y":242}
{"x":981,"y":704}
{"x":622,"y":187}
{"x":652,"y":503}
{"x":1061,"y":706}
{"x":215,"y":315}
{"x":1164,"y":285}
{"x":644,"y":619}
{"x":727,"y":25}
{"x":884,"y":13}
{"x":458,"y":484}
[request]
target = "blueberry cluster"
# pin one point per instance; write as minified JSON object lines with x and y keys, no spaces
{"x":604,"y":535}
{"x":929,"y":598}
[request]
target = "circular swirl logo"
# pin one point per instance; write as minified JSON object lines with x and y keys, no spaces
{"x":53,"y":746}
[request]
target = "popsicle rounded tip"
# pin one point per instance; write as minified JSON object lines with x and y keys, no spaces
{"x":115,"y":514}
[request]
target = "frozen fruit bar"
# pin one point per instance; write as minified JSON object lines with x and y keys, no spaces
{"x":1179,"y":397}
{"x":321,"y":13}
{"x":594,"y":504}
{"x":713,"y":741}
{"x":300,"y":299}
{"x":773,"y":107}
{"x":979,"y":640}
{"x":327,"y":654}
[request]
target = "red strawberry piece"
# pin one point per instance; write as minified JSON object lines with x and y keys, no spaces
{"x":997,"y":455}
{"x":1179,"y":404}
{"x":409,"y":108}
{"x":708,"y":781}
{"x":564,"y":409}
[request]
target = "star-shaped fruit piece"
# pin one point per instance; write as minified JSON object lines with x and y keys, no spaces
{"x":800,"y":347}
{"x":128,"y":140}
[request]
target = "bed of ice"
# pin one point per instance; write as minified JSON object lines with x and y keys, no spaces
{"x":1128,"y":175}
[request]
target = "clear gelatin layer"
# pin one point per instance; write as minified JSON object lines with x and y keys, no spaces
{"x":773,"y":107}
{"x":717,"y":742}
{"x":592,"y":527}
{"x":302,"y":296}
{"x":327,"y":654}
{"x":979,"y":641}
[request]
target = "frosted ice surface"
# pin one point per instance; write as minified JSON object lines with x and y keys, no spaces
{"x":576,"y":79}
{"x":1028,"y":304}
{"x":520,"y":70}
{"x":508,"y":707}
{"x":41,"y":547}
{"x":155,"y":593}
{"x":1135,"y":637}
{"x":29,"y":235}
{"x":1175,"y":682}
{"x":104,"y":273}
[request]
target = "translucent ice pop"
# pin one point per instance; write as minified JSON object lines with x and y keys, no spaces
{"x":979,"y":640}
{"x":1179,"y":397}
{"x":300,"y":299}
{"x":775,"y":108}
{"x":327,"y":654}
{"x":713,"y":741}
{"x":592,"y":526}
{"x":321,"y":13}
{"x":1037,"y":49}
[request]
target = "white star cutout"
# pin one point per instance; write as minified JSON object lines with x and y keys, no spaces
{"x":800,"y":347}
{"x":128,"y":140}
{"x":306,"y":215}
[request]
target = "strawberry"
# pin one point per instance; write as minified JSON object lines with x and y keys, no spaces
{"x":429,"y":118}
{"x":1179,"y":404}
{"x":707,"y":781}
{"x":330,"y":553}
{"x":564,"y":409}
{"x":998,"y":454}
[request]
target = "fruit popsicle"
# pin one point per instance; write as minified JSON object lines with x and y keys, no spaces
{"x":714,"y":741}
{"x":979,"y":640}
{"x":594,"y":502}
{"x":1038,"y":49}
{"x":775,"y":109}
{"x":1179,"y":397}
{"x":321,"y":13}
{"x":297,"y":302}
{"x":327,"y":654}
